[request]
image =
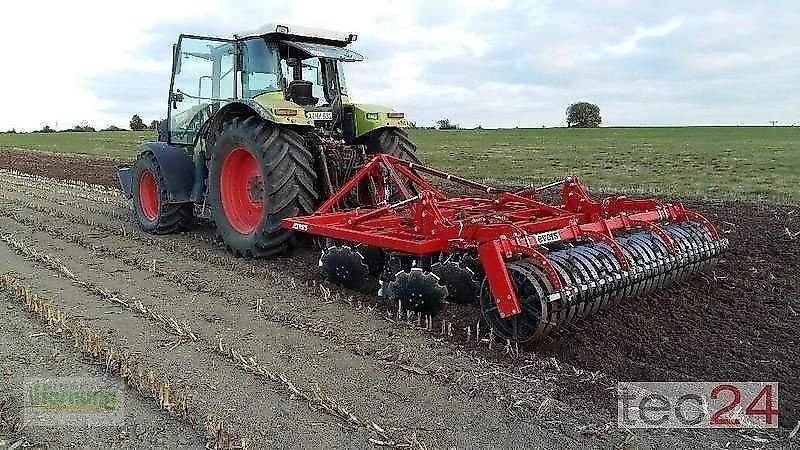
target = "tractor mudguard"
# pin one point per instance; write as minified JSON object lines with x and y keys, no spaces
{"x":177,"y":168}
{"x":265,"y":106}
{"x":372,"y":117}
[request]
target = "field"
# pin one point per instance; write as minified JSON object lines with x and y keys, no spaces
{"x":210,"y":349}
{"x":730,"y":162}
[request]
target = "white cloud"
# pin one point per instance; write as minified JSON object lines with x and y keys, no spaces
{"x":497,"y":63}
{"x":630,"y":44}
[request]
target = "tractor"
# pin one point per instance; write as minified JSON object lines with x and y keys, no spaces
{"x":262,"y":137}
{"x":259,"y":128}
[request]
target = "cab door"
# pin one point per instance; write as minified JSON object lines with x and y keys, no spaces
{"x":203,"y":80}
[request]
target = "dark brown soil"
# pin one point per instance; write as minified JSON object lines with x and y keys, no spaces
{"x":64,"y":167}
{"x":738,"y":323}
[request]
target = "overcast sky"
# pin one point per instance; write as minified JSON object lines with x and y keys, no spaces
{"x":491,"y":62}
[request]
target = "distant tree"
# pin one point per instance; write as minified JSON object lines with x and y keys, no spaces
{"x":154,"y":125}
{"x":82,"y":127}
{"x":12,"y":131}
{"x":46,"y":129}
{"x":583,"y":115}
{"x":445,"y":124}
{"x":137,"y":124}
{"x":113,"y":128}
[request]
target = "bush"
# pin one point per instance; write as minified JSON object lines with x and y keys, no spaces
{"x":137,"y":124}
{"x":445,"y":124}
{"x":83,"y":128}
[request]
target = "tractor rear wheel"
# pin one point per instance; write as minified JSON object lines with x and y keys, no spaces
{"x":259,"y":174}
{"x":150,"y":200}
{"x":394,"y":141}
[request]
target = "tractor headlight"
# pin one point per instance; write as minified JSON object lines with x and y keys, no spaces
{"x":372,"y":116}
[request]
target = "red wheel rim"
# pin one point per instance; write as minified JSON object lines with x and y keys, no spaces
{"x":148,"y":195}
{"x":241,"y":190}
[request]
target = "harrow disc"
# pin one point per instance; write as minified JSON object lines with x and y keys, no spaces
{"x":460,"y":280}
{"x":344,"y":266}
{"x":594,"y":279}
{"x":418,"y":290}
{"x":373,"y":257}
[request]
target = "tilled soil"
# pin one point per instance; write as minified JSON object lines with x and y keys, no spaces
{"x":84,"y":168}
{"x":735,"y":324}
{"x":738,"y":323}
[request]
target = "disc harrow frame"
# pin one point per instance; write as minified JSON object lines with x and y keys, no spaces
{"x":612,"y":249}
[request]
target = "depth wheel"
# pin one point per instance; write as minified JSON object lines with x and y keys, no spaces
{"x":531,"y":288}
{"x":151,"y":206}
{"x":259,"y":175}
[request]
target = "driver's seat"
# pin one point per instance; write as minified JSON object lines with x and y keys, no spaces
{"x":301,"y":92}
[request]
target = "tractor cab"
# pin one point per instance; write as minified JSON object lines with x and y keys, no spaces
{"x":296,"y":76}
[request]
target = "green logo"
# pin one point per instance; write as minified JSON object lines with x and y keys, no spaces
{"x":47,"y":398}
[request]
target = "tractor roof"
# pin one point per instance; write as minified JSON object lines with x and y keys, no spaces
{"x":316,"y":34}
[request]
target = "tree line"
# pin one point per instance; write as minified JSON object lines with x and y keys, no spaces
{"x":579,"y":115}
{"x":136,"y":124}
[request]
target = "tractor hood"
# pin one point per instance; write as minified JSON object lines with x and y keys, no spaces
{"x":326,"y":51}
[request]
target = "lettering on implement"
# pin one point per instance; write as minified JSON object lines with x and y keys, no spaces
{"x":548,"y":237}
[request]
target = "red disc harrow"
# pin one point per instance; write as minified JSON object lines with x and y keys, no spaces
{"x":531,"y":265}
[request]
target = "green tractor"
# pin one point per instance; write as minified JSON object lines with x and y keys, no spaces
{"x":259,"y":128}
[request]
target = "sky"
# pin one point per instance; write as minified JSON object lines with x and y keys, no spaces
{"x":494,"y":63}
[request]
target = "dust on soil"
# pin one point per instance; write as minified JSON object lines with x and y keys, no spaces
{"x":738,"y":323}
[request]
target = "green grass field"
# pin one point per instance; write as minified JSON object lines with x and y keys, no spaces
{"x":116,"y":144}
{"x":752,"y":162}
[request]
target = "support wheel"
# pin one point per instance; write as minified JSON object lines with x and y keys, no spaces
{"x":259,"y":174}
{"x":530,"y":288}
{"x":151,"y":205}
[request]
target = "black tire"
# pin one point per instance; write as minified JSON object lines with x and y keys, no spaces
{"x":169,"y":217}
{"x":288,"y":185}
{"x":394,"y":141}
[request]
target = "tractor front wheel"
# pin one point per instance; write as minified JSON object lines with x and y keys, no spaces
{"x":393,"y":141}
{"x":151,"y":204}
{"x":259,"y":174}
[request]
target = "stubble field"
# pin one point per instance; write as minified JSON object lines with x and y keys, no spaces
{"x":266,"y":352}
